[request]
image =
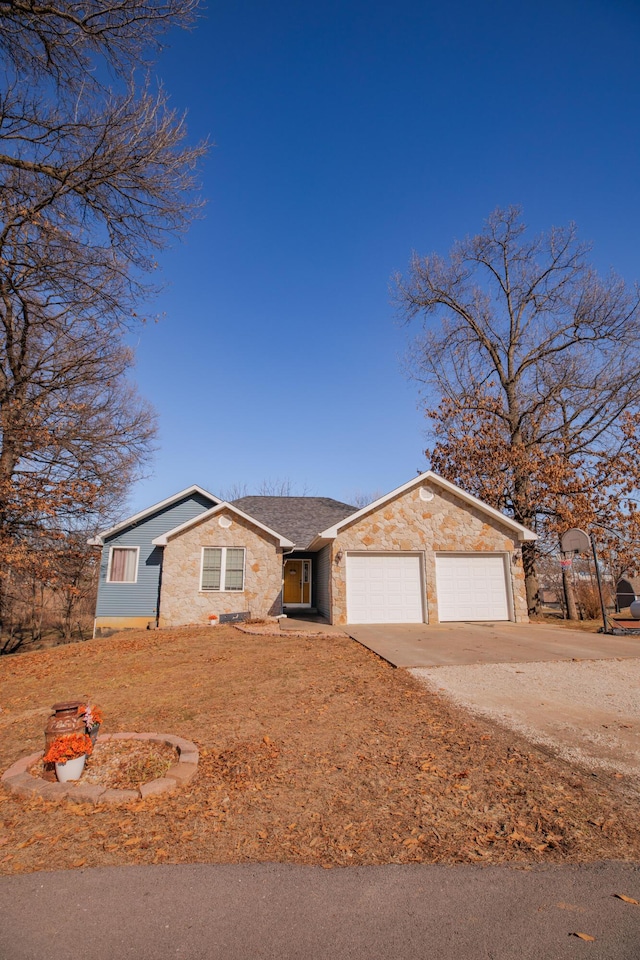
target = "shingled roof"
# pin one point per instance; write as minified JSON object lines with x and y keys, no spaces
{"x":299,"y":519}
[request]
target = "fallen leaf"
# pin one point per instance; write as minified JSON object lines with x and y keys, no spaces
{"x":584,"y":936}
{"x":621,"y":896}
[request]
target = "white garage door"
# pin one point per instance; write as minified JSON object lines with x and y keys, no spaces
{"x":384,"y":588}
{"x":471,"y":587}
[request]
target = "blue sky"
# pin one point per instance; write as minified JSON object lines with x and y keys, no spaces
{"x":348,"y":134}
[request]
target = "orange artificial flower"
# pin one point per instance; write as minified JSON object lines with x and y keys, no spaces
{"x":68,"y":748}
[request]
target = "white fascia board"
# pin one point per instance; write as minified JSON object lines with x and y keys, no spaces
{"x":318,"y":542}
{"x":523,"y":533}
{"x":99,"y":539}
{"x":163,"y":540}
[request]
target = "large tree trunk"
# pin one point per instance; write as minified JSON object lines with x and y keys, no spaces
{"x":569,"y":595}
{"x":531,"y":578}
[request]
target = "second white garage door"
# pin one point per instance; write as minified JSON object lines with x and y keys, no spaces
{"x":384,"y":588}
{"x":471,"y":587}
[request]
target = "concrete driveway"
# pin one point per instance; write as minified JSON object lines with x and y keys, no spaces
{"x":423,"y":645}
{"x":574,"y":693}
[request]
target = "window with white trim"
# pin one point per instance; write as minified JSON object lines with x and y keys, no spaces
{"x":123,"y":565}
{"x":222,"y":568}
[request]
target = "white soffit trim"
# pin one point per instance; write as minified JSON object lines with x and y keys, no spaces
{"x":99,"y":539}
{"x":523,"y":533}
{"x":163,"y":540}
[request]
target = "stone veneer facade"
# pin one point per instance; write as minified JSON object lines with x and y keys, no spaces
{"x":443,"y":524}
{"x":182,"y":600}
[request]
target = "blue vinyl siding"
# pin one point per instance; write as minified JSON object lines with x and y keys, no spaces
{"x":323,"y":573}
{"x":140,"y":599}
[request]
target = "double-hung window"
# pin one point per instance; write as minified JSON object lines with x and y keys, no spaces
{"x":123,"y":565}
{"x":222,"y":568}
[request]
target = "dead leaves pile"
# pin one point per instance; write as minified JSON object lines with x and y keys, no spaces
{"x":126,"y":764}
{"x":311,"y":751}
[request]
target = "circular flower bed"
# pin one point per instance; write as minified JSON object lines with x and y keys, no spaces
{"x":123,"y":767}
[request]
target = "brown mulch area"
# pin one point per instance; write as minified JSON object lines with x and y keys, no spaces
{"x":127,"y":764}
{"x":311,"y":751}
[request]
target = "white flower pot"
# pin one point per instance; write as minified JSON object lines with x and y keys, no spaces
{"x":71,"y":770}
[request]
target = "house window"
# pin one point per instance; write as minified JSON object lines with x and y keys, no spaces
{"x":222,"y":568}
{"x":123,"y":565}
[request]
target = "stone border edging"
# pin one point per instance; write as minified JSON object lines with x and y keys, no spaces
{"x":19,"y":781}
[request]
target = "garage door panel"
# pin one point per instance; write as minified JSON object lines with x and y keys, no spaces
{"x":384,"y":588}
{"x":471,"y":587}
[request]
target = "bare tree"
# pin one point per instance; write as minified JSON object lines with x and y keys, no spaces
{"x":529,"y":364}
{"x":361,"y":498}
{"x":270,"y":487}
{"x":61,"y":40}
{"x":94,"y":180}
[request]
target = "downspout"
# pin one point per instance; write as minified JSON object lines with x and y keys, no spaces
{"x":159,"y":592}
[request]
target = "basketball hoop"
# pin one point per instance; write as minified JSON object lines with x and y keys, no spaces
{"x":575,"y":541}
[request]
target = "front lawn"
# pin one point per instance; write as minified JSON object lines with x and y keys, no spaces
{"x":311,"y":751}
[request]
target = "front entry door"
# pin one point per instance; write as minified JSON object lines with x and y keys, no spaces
{"x":297,"y":583}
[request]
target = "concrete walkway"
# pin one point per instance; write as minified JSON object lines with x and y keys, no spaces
{"x":285,"y":912}
{"x":309,"y":625}
{"x":423,"y":645}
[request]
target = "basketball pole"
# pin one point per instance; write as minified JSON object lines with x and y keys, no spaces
{"x":605,"y":628}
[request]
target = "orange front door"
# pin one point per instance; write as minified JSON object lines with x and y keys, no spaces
{"x":297,"y":581}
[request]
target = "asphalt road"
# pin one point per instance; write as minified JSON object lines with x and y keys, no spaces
{"x":269,"y":911}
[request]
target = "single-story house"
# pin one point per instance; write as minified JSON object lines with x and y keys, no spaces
{"x":426,"y":552}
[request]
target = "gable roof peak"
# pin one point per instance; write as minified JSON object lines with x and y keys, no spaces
{"x":421,"y":478}
{"x":223,"y":505}
{"x":99,"y":539}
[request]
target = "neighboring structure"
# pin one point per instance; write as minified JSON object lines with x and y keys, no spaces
{"x":627,"y":590}
{"x":550,"y":597}
{"x":426,"y":552}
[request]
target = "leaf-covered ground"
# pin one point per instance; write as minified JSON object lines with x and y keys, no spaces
{"x":312,"y":751}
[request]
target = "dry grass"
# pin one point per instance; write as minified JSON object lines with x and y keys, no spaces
{"x":312,"y":751}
